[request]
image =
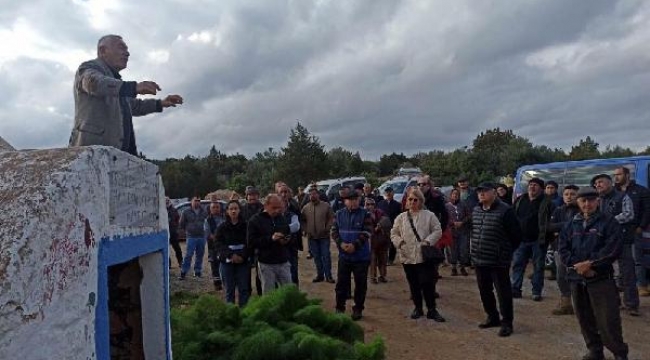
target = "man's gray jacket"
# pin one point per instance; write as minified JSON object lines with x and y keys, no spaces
{"x":104,"y":106}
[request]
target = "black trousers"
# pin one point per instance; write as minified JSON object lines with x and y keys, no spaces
{"x":346,"y":270}
{"x":490,"y":278}
{"x":173,"y":241}
{"x":392,"y":253}
{"x":597,"y":308}
{"x":422,"y":280}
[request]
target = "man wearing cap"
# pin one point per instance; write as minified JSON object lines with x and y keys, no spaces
{"x":620,"y":206}
{"x":391,"y":208}
{"x":588,"y":246}
{"x":640,"y":197}
{"x":351,"y":232}
{"x":317,"y":218}
{"x":495,"y":235}
{"x":533,"y":210}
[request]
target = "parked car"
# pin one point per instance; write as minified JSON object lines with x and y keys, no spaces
{"x":414,"y":171}
{"x":180,"y":207}
{"x":399,"y":185}
{"x":331,"y":186}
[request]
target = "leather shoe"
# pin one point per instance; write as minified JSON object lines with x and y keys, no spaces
{"x":356,"y":315}
{"x":434,"y":315}
{"x":317,"y":279}
{"x":593,"y":355}
{"x":330,"y":280}
{"x":489,"y":323}
{"x":506,"y":330}
{"x":417,"y":313}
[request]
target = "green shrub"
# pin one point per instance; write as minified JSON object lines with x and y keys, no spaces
{"x":283,"y":325}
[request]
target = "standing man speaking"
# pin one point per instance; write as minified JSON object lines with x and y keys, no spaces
{"x":105,"y":105}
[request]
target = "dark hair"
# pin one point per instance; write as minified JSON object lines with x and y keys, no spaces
{"x":625,"y":170}
{"x":233,"y":202}
{"x":552,"y":183}
{"x":571,"y":187}
{"x":502,"y":186}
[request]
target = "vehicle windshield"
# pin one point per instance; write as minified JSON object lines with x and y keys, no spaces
{"x":398,"y":186}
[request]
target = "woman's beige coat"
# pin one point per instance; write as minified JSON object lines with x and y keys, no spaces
{"x":404,"y":239}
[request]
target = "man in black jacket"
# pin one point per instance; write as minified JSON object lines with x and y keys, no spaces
{"x":434,"y":201}
{"x":495,"y":235}
{"x":562,"y":216}
{"x":391,"y":208}
{"x":588,"y":246}
{"x":533,"y":210}
{"x":269,"y":234}
{"x":640,"y":197}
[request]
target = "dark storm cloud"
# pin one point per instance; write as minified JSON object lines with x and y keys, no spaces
{"x":373,"y":77}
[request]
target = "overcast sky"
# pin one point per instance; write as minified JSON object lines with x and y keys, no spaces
{"x":372,"y":76}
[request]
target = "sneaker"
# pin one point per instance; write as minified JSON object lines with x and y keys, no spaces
{"x":454,"y":271}
{"x":463,"y":271}
{"x":182,"y":277}
{"x":489,"y":323}
{"x":537,"y":297}
{"x":417,"y":313}
{"x":318,"y":279}
{"x":633,"y":312}
{"x":505,"y":331}
{"x":434,"y":315}
{"x":197,"y":275}
{"x":382,"y":279}
{"x":330,"y":280}
{"x":356,"y":315}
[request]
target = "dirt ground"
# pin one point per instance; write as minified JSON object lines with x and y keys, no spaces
{"x":538,"y":334}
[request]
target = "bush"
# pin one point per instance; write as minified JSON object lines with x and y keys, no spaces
{"x":282,"y":325}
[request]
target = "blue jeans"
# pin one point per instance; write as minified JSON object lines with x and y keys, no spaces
{"x":524,"y":252}
{"x":194,"y":245}
{"x":293,"y":260}
{"x":236,"y":276}
{"x":320,"y":250}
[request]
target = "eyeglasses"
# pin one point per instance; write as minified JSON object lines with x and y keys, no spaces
{"x":413,"y":199}
{"x":423,"y":184}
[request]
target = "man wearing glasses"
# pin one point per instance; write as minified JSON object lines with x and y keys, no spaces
{"x":433,"y":200}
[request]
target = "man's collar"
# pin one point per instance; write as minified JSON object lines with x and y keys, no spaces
{"x":116,"y":73}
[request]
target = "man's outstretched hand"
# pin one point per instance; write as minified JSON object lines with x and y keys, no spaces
{"x":171,"y":100}
{"x":147,"y":88}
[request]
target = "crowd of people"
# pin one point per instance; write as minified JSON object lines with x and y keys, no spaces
{"x":478,"y":228}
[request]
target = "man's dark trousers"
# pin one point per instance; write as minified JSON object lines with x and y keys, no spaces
{"x":345,"y":272}
{"x":490,"y":278}
{"x":596,"y":306}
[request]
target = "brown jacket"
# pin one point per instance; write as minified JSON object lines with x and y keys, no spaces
{"x":317,"y":220}
{"x":98,"y":116}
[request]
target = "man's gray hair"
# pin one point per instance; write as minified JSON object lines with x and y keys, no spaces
{"x":104,"y":40}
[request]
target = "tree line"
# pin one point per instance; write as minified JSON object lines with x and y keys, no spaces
{"x":493,"y":153}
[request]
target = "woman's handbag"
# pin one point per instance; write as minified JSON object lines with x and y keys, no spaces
{"x":430,"y":254}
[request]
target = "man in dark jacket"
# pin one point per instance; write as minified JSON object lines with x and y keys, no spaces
{"x":215,"y":218}
{"x":391,"y":208}
{"x":533,"y":210}
{"x":253,"y":204}
{"x":434,"y":201}
{"x":588,"y":246}
{"x":192,"y":221}
{"x":339,"y":203}
{"x":620,"y":206}
{"x":351,"y":232}
{"x":640,"y":197}
{"x":495,"y":235}
{"x":269,"y":234}
{"x":562,"y":216}
{"x":173,"y":218}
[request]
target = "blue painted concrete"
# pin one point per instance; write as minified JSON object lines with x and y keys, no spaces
{"x":120,"y":250}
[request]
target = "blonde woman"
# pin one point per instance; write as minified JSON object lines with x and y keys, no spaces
{"x":413,"y":229}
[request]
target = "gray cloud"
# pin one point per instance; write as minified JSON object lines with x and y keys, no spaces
{"x":374,"y":77}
